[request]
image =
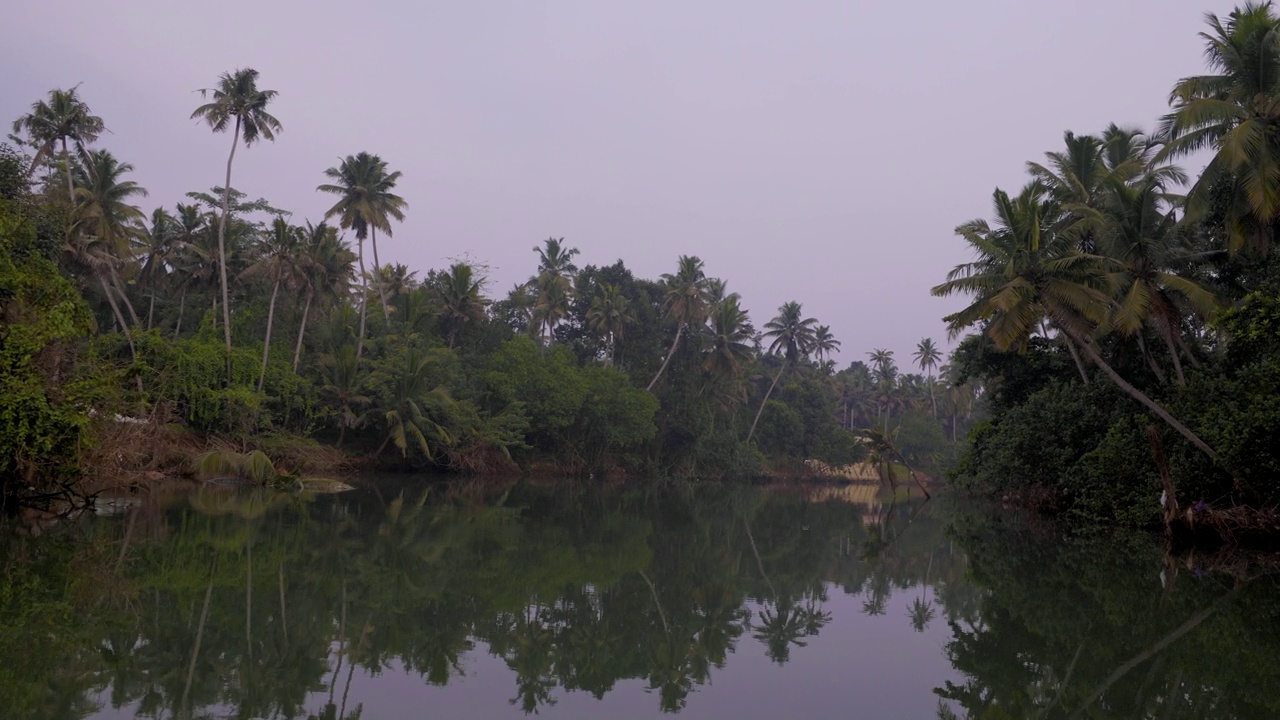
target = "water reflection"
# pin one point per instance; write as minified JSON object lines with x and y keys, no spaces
{"x":235,"y":604}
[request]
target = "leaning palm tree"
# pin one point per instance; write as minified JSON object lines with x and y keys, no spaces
{"x":65,"y":119}
{"x":1027,"y":274}
{"x":927,"y":358}
{"x":793,"y":336}
{"x":1235,"y":112}
{"x":237,"y":104}
{"x":103,"y":210}
{"x":365,"y":204}
{"x":685,"y":302}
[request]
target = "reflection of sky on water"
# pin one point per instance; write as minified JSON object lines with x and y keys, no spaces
{"x":858,"y":667}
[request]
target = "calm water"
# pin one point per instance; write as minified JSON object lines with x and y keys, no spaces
{"x":705,"y":601}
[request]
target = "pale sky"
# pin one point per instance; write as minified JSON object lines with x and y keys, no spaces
{"x":821,"y":151}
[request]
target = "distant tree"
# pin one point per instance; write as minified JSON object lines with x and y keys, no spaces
{"x":793,"y":337}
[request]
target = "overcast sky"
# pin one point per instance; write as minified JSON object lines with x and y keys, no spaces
{"x":818,"y":151}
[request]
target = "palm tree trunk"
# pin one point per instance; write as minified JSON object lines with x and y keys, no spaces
{"x":182,"y":308}
{"x":266,"y":344}
{"x":751,"y":433}
{"x":195,"y":651}
{"x":1071,"y":348}
{"x":119,"y":286}
{"x":1150,"y":404}
{"x":377,"y":275}
{"x":151,"y":310}
{"x":364,"y":301}
{"x":932,"y":399}
{"x":66,"y":167}
{"x":222,"y":247}
{"x":1173,"y":355}
{"x":302,"y":329}
{"x":670,"y":352}
{"x":115,"y":308}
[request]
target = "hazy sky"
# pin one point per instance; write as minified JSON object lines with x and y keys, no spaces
{"x":818,"y":151}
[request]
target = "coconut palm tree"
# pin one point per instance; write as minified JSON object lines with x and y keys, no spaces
{"x":556,"y":258}
{"x":609,"y":315}
{"x":1139,"y":236}
{"x":685,"y":302}
{"x":1027,"y":274}
{"x":927,"y":358}
{"x":731,"y":335}
{"x":194,"y":258}
{"x":65,"y":119}
{"x":793,"y":336}
{"x":156,"y":245}
{"x":365,"y":204}
{"x":238,"y":104}
{"x":327,"y":272}
{"x":824,"y":343}
{"x":550,"y":305}
{"x":1235,"y":112}
{"x":278,"y":264}
{"x":103,"y":211}
{"x":458,"y":291}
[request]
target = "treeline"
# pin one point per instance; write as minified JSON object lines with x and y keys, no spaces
{"x":226,"y":315}
{"x":1130,"y":314}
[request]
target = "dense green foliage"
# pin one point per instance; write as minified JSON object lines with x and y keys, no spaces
{"x":1127,"y":328}
{"x":225,"y":316}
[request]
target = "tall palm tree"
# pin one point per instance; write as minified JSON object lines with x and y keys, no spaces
{"x":279,"y":265}
{"x":550,"y":305}
{"x":556,"y":258}
{"x":1026,"y":274}
{"x":237,"y":104}
{"x":156,"y":245}
{"x":103,"y":211}
{"x":824,"y":343}
{"x":327,"y":264}
{"x":731,"y":336}
{"x":65,"y":119}
{"x":685,"y":302}
{"x":609,"y":315}
{"x":793,"y":336}
{"x":927,"y":358}
{"x":461,"y":303}
{"x":193,"y":259}
{"x":1235,"y":111}
{"x":365,"y":204}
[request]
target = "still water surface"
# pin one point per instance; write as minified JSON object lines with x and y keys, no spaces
{"x":708,"y":601}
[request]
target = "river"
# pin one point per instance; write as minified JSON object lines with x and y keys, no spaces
{"x":406,"y":599}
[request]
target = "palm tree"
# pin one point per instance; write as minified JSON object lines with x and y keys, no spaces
{"x":366,"y":204}
{"x":824,"y":343}
{"x":326,"y":261}
{"x":927,"y":358}
{"x":237,"y":104}
{"x":1236,"y":113}
{"x":1139,"y":237}
{"x":550,"y":305}
{"x":279,"y":264}
{"x":64,"y":119}
{"x":556,"y":258}
{"x":103,"y":210}
{"x":793,"y":335}
{"x":685,"y":302}
{"x":609,"y":315}
{"x":157,"y":246}
{"x":1025,"y":274}
{"x":193,"y":258}
{"x":731,"y":336}
{"x":461,"y":302}
{"x":411,"y":420}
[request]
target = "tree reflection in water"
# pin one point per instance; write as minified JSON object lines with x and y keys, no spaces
{"x":261,"y":605}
